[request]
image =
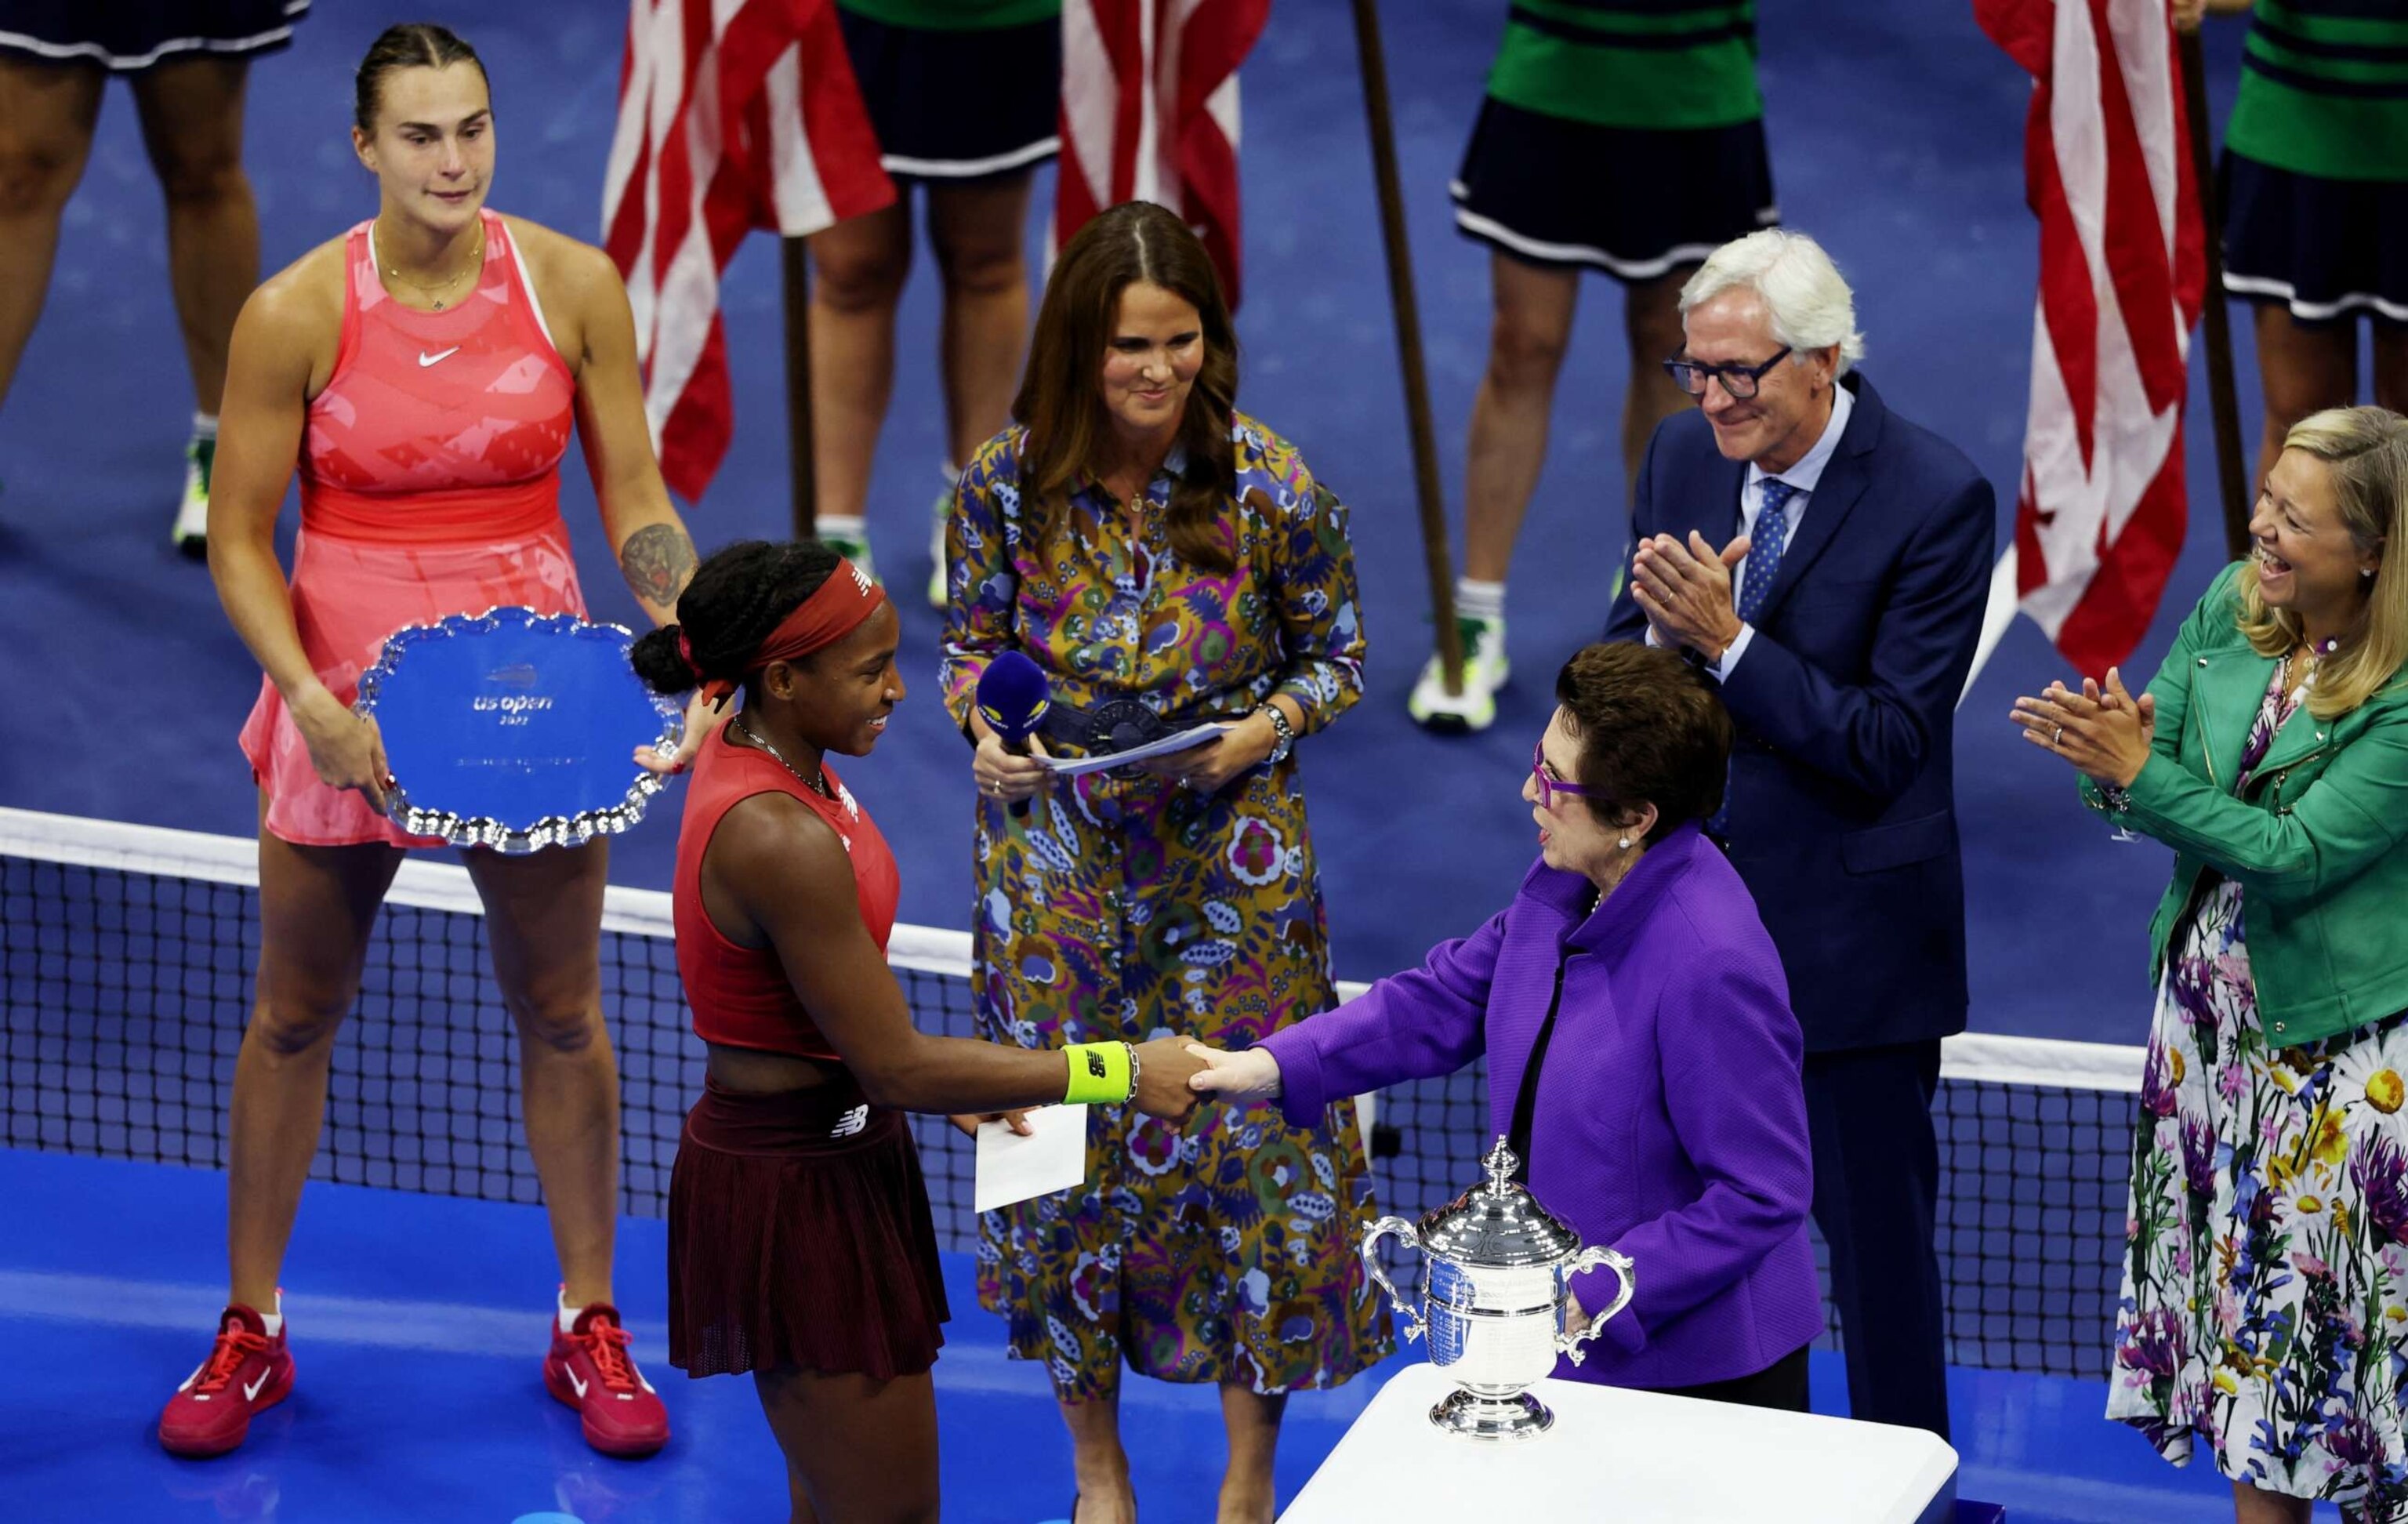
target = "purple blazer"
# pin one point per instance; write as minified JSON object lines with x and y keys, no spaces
{"x":1670,"y":1119}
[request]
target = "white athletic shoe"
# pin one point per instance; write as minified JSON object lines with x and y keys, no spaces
{"x":1485,"y":672}
{"x":191,"y":534}
{"x":944,"y":512}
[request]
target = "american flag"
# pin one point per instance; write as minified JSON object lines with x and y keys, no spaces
{"x":1149,"y":113}
{"x":2122,"y":275}
{"x":732,"y":115}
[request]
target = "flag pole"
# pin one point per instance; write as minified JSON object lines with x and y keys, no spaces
{"x":1409,"y":343}
{"x":801,"y":476}
{"x":2223,"y":404}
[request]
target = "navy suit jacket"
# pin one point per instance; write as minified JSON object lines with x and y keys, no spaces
{"x":1842,"y":818}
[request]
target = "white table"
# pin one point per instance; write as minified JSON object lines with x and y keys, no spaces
{"x":1629,"y":1457}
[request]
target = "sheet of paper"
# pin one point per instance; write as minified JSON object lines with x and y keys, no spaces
{"x":1071,"y":767}
{"x":1012,"y":1168}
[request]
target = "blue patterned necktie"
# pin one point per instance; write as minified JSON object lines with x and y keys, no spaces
{"x":1771,"y":537}
{"x":1766,"y":545}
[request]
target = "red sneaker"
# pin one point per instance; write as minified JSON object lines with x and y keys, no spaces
{"x":589,"y":1369}
{"x":247,"y":1373}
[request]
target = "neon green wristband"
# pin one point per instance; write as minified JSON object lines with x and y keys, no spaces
{"x":1099,"y":1073}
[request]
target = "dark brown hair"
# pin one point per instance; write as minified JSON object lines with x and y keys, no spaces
{"x":1652,"y":730}
{"x":412,"y":45}
{"x":1061,"y":399}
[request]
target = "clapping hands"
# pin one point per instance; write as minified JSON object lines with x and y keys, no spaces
{"x":2103,"y":731}
{"x":1685,"y":591}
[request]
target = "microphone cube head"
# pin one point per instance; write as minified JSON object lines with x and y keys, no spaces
{"x":1013,"y":697}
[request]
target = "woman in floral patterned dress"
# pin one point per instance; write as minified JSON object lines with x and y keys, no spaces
{"x":1167,"y":560}
{"x":2265,"y":1299}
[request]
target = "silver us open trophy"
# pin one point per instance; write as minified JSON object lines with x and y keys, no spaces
{"x":1495,"y":1273}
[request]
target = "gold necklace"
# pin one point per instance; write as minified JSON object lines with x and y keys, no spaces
{"x":477,"y":262}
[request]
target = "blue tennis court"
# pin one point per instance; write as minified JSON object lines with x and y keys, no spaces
{"x":421,"y":1267}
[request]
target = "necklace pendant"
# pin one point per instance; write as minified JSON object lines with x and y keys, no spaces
{"x":438,"y":304}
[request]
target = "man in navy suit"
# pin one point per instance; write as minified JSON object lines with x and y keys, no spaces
{"x":1827,"y":562}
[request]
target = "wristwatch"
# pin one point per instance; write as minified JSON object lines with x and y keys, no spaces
{"x":1286,"y":741}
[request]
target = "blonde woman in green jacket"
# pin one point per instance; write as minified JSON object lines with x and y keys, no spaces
{"x":2265,"y":1297}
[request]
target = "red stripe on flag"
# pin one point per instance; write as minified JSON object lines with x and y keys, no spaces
{"x":1212,"y":41}
{"x":2137,"y":263}
{"x":2068,"y":298}
{"x":2093,"y":555}
{"x":697,"y":183}
{"x":2123,"y":593}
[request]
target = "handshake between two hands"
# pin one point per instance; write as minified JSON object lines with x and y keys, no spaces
{"x":1172,"y":1073}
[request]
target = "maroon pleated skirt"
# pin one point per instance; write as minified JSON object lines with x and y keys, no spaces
{"x":800,"y":1238}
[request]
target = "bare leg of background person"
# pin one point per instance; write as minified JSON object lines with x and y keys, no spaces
{"x":2392,"y":367}
{"x":858,"y":1450}
{"x":543,"y":925}
{"x":2304,"y":369}
{"x":1252,"y":1420}
{"x":1098,"y":1461}
{"x":1529,"y":329}
{"x":316,"y":906}
{"x":1651,"y":319}
{"x":191,"y":125}
{"x":859,"y":268}
{"x":2252,"y":1506}
{"x":47,"y":113}
{"x":978,"y":230}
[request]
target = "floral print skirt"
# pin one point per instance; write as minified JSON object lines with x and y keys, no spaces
{"x":2265,"y":1293}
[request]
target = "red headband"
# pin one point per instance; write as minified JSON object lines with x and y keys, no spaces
{"x":833,"y":611}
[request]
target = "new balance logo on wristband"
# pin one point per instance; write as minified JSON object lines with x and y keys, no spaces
{"x":1095,"y":1066}
{"x":851,"y":1122}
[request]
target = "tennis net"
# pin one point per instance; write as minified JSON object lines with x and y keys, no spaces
{"x":125,"y":962}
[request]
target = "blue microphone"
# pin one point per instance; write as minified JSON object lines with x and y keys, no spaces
{"x":1013,"y":697}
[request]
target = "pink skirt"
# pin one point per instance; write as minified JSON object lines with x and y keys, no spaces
{"x":347,"y":597}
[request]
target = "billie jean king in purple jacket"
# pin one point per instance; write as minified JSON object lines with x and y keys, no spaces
{"x":1670,"y":1118}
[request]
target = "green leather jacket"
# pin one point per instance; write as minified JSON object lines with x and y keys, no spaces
{"x":2314,"y":842}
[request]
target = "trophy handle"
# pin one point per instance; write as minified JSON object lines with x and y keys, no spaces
{"x":1572,"y":1344}
{"x":1412,"y":1319}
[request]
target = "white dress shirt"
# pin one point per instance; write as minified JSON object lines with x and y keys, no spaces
{"x":1802,"y":476}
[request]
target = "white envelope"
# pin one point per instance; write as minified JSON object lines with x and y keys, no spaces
{"x":1053,"y":1158}
{"x":1071,"y":767}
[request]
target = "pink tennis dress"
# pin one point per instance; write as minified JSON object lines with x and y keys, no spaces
{"x":430,"y":485}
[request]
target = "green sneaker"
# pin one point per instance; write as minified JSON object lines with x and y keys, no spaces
{"x":191,"y":534}
{"x":853,"y":550}
{"x":1485,"y":672}
{"x":944,"y":512}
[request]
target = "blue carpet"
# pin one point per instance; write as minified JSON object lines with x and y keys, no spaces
{"x":418,"y":1396}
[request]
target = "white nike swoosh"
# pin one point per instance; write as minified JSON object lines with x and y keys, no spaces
{"x":579,"y":1385}
{"x":250,"y":1391}
{"x":425,"y":359}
